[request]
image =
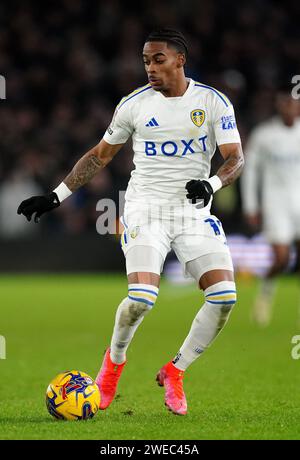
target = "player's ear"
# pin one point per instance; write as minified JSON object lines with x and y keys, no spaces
{"x":181,"y":60}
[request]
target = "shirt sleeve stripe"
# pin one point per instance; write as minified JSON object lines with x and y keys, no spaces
{"x":134,"y":93}
{"x":221,"y":95}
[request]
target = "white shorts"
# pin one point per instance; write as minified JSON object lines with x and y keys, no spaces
{"x":281,"y":226}
{"x":183,"y":228}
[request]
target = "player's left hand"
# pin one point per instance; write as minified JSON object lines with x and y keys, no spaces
{"x":199,"y":190}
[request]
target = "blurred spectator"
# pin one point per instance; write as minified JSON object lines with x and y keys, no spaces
{"x":12,"y":192}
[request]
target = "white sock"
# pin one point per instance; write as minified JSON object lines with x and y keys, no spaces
{"x":130,"y":313}
{"x":267,"y":288}
{"x":209,"y":321}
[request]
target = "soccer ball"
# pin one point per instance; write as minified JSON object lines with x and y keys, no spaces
{"x":72,"y":395}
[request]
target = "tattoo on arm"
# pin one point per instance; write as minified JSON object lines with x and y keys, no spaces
{"x":84,"y":170}
{"x":231,"y":169}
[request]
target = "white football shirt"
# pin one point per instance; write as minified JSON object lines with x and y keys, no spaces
{"x":174,"y":138}
{"x":271,"y":176}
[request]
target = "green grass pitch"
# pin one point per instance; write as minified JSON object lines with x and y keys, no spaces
{"x":246,"y":386}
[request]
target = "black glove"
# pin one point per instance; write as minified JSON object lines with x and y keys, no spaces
{"x":199,"y":190}
{"x":38,"y":205}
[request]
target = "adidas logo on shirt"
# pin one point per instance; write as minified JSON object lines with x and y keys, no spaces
{"x":152,"y":122}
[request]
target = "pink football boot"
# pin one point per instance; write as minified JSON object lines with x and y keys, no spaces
{"x":107,"y":379}
{"x":172,"y":379}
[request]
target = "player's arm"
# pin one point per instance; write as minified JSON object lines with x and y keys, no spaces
{"x":84,"y":170}
{"x":229,"y":142}
{"x":90,"y":164}
{"x":226,"y":175}
{"x":251,"y":179}
{"x":233,"y":163}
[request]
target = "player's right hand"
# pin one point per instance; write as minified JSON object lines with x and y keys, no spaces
{"x":38,"y":205}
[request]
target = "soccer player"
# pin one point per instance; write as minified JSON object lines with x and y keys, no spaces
{"x":175,"y":124}
{"x":271,"y":190}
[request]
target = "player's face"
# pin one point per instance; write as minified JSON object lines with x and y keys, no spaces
{"x":287,"y":107}
{"x":162,"y":64}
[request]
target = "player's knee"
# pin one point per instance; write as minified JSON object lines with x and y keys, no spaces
{"x":141,"y":299}
{"x":222,"y":296}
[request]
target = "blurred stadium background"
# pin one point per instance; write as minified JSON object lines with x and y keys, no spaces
{"x":67,"y":64}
